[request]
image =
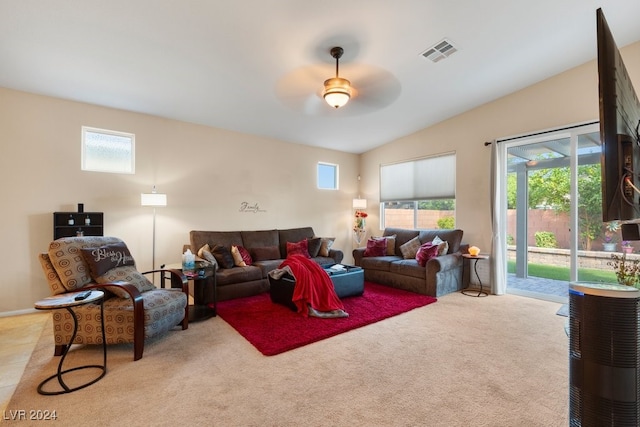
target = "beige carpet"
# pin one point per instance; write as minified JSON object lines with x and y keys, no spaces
{"x":463,"y":361}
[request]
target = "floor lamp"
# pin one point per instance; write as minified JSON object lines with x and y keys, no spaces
{"x":153,"y":199}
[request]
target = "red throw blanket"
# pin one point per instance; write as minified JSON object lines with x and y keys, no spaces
{"x":313,"y":286}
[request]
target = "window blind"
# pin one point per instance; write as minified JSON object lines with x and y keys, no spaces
{"x":422,"y":179}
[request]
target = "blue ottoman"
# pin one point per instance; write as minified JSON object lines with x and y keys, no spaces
{"x":347,"y":282}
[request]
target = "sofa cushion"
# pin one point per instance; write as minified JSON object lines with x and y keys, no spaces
{"x":298,"y":248}
{"x":264,"y":253}
{"x":314,"y":246}
{"x":376,"y":247}
{"x":325,"y":246}
{"x":381,"y":263}
{"x":410,"y":248}
{"x":260,"y":239}
{"x":127,"y":274}
{"x":224,"y":238}
{"x":408,"y":267}
{"x":104,"y":258}
{"x":238,"y":275}
{"x":223,"y":256}
{"x":426,"y":252}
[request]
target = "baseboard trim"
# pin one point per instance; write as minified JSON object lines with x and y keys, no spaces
{"x":17,"y":312}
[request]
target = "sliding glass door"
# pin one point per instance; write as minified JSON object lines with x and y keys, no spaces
{"x":553,"y":209}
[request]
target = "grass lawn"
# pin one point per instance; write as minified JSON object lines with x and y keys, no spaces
{"x":562,"y":273}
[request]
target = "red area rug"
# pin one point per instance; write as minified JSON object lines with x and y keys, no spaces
{"x":274,"y":328}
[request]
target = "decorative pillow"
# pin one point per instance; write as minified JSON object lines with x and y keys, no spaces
{"x":426,"y":252}
{"x":443,"y":247}
{"x":205,"y":253}
{"x":246,"y":257}
{"x":223,"y":256}
{"x":127,"y":274}
{"x":410,"y":249}
{"x":391,"y":244}
{"x":298,"y":248}
{"x":325,"y":245}
{"x":314,"y":246}
{"x":265,"y":253}
{"x":376,"y":247}
{"x":237,"y":258}
{"x":104,"y":258}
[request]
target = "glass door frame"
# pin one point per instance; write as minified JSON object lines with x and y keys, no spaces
{"x":572,"y":133}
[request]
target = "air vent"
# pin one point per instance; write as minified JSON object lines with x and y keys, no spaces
{"x":440,"y":51}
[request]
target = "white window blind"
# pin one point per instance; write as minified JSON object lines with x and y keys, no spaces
{"x":423,"y":179}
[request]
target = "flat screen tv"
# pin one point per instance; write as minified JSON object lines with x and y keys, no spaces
{"x":619,"y":127}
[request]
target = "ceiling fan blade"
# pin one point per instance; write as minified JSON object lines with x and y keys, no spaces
{"x":373,"y":89}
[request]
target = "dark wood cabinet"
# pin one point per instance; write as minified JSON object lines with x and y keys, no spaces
{"x":68,"y":224}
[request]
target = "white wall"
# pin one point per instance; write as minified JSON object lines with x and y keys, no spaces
{"x":205,"y":172}
{"x":568,"y":98}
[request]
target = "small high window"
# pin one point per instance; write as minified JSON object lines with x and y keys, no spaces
{"x":108,"y":151}
{"x":327,"y":176}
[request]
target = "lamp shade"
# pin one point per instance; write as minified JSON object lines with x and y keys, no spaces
{"x":359,"y":203}
{"x":337,"y":91}
{"x":153,"y":199}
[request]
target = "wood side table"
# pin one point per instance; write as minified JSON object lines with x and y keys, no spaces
{"x":476,"y":258}
{"x":68,"y":301}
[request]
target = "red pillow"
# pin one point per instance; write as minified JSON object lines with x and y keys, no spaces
{"x":298,"y":248}
{"x":244,"y":253}
{"x":426,"y":252}
{"x":376,"y":247}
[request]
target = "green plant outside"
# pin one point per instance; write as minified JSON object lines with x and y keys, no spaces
{"x":562,"y":273}
{"x":446,"y":223}
{"x":546,"y":239}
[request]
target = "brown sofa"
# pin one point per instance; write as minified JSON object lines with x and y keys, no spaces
{"x":268,"y":248}
{"x":440,"y":276}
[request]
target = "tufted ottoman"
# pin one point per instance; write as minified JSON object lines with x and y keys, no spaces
{"x":347,"y":282}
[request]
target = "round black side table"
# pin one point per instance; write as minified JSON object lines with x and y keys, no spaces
{"x":467,"y":291}
{"x":68,"y":301}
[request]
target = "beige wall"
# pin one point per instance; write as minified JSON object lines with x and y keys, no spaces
{"x":206,"y":172}
{"x":568,"y":98}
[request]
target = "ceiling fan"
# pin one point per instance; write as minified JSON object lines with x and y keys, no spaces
{"x":356,"y":89}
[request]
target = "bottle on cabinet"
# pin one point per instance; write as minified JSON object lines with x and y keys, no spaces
{"x":87,"y":220}
{"x":71,"y":221}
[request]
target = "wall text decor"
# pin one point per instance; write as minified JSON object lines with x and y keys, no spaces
{"x":247,"y":207}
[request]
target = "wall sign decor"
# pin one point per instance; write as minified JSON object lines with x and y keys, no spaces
{"x":246,"y":207}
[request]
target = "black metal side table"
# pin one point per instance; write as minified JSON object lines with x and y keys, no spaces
{"x":68,"y":301}
{"x":204,"y":290}
{"x":475,"y":258}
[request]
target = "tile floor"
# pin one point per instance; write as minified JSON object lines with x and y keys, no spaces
{"x":18,"y":338}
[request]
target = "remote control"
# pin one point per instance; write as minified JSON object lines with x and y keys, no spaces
{"x":82,"y":296}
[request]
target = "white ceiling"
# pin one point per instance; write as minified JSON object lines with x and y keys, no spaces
{"x":258,"y":66}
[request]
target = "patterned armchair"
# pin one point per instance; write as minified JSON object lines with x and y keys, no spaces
{"x":134,"y":309}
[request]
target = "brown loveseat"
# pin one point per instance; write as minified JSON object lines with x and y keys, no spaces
{"x":267,"y":248}
{"x":441,"y":275}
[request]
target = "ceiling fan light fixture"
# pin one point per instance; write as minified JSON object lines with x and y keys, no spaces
{"x":337,"y":91}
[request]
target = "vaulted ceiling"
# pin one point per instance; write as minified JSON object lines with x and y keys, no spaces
{"x":258,"y":66}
